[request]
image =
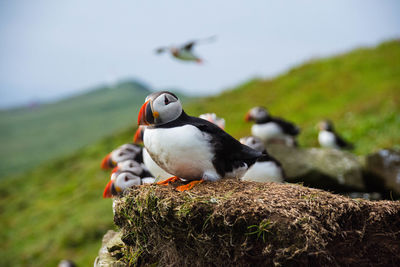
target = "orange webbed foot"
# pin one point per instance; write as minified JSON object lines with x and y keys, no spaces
{"x":169,"y":180}
{"x":189,"y":185}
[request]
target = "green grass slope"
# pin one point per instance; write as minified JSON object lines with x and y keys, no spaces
{"x":56,"y":211}
{"x":359,"y":91}
{"x":30,"y":136}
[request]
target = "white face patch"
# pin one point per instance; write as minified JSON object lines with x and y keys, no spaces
{"x":125,"y":180}
{"x":253,"y":142}
{"x":166,"y":108}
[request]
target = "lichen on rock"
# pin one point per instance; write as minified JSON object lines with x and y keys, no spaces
{"x":232,"y":223}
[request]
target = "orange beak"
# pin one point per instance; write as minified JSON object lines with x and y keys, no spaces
{"x":138,"y":138}
{"x":106,"y":162}
{"x":144,"y":113}
{"x":107,"y":190}
{"x":114,"y":170}
{"x":247,"y":117}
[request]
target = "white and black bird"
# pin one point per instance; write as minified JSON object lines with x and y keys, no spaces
{"x":122,"y":153}
{"x":266,"y":168}
{"x":327,"y":137}
{"x":189,"y":147}
{"x":271,"y":129}
{"x":185,"y":51}
{"x":124,"y":178}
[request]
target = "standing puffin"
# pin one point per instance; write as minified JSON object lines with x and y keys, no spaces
{"x":266,"y":168}
{"x":327,"y":137}
{"x":189,"y":147}
{"x":271,"y":129}
{"x":184,"y":52}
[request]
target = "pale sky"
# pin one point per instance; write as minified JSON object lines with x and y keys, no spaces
{"x":49,"y":49}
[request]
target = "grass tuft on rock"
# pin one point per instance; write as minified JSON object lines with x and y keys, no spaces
{"x":230,"y":223}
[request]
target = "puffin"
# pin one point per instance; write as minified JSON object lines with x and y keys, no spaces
{"x":153,"y":168}
{"x":133,"y":166}
{"x":272,"y":129}
{"x":212,"y":117}
{"x":327,"y":137}
{"x":185,"y":51}
{"x":190,"y":147}
{"x":120,"y":154}
{"x":266,"y":168}
{"x":123,"y":178}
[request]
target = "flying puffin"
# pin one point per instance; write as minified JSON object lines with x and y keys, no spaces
{"x":327,"y":137}
{"x":154,"y":169}
{"x":271,"y":129}
{"x":184,"y":52}
{"x":189,"y":147}
{"x":212,"y":117}
{"x":122,"y":153}
{"x":266,"y":168}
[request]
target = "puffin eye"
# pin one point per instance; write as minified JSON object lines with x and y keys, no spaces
{"x":166,"y":101}
{"x":126,"y":179}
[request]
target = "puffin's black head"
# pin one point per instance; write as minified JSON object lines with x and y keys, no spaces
{"x":326,"y":125}
{"x":257,"y":114}
{"x":159,"y":108}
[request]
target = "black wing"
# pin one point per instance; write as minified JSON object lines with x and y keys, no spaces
{"x":342,"y":143}
{"x":229,"y":152}
{"x":188,"y":46}
{"x":288,"y":127}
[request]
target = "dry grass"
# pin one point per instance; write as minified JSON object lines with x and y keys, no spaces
{"x":246,"y":223}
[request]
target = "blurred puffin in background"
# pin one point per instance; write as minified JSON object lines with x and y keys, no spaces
{"x":120,"y":154}
{"x":189,"y":147}
{"x":266,"y":168}
{"x":272,"y":129}
{"x":212,"y":117}
{"x":185,"y":51}
{"x":327,"y":137}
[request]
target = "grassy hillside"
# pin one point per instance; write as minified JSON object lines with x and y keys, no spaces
{"x":359,"y":91}
{"x":56,"y":211}
{"x":30,"y":136}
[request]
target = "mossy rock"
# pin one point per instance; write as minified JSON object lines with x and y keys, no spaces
{"x":232,"y":223}
{"x":324,"y":168}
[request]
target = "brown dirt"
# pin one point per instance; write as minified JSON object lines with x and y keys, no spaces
{"x":232,"y":223}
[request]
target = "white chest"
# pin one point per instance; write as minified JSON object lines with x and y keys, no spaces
{"x":182,"y":151}
{"x":267,"y":131}
{"x":327,"y":139}
{"x":154,"y":169}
